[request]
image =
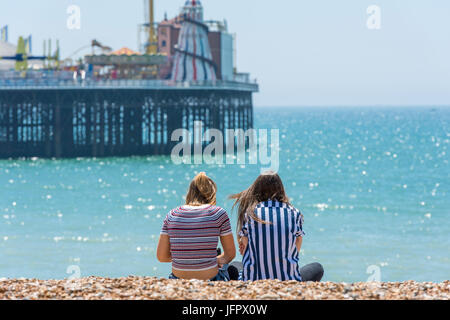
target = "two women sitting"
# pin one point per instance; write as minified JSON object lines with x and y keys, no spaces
{"x":270,"y":235}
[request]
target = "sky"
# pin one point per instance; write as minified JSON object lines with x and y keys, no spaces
{"x":302,"y":53}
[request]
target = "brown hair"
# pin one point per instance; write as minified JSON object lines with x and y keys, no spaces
{"x":268,"y":186}
{"x":202,"y":190}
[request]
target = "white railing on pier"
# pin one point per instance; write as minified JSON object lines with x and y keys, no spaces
{"x":62,"y":81}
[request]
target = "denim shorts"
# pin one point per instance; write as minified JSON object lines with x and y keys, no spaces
{"x":221,"y":276}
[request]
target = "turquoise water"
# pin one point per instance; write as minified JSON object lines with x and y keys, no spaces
{"x":373,"y":184}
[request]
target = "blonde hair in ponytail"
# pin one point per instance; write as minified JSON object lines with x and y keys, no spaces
{"x":202,"y":190}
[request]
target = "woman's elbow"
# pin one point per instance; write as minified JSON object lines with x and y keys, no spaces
{"x":163,"y":253}
{"x":164,"y":259}
{"x":231,"y":254}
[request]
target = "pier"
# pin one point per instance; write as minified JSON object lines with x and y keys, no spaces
{"x":67,"y":119}
{"x":123,"y":102}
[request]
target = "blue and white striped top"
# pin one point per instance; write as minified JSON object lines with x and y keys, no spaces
{"x":271,"y":252}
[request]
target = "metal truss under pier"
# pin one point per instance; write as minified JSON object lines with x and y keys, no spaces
{"x":105,"y":122}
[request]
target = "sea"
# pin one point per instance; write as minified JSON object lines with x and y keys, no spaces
{"x":373,"y":184}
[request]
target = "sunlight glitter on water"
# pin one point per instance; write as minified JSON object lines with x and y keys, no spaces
{"x":386,"y":190}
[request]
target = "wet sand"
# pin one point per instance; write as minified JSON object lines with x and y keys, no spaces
{"x":143,"y":288}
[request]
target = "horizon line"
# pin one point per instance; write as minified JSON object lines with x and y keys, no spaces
{"x":356,"y":106}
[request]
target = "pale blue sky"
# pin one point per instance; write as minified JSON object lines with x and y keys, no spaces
{"x":303,"y":53}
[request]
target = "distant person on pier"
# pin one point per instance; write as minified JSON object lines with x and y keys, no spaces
{"x":191,"y":232}
{"x":271,"y":233}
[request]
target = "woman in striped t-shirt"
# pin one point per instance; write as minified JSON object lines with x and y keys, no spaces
{"x":270,"y":233}
{"x":190,"y":235}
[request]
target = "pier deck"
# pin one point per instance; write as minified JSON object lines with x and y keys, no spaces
{"x":66,"y":119}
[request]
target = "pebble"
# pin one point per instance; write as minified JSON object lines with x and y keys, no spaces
{"x":134,"y":288}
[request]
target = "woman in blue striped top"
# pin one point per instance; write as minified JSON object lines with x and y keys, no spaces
{"x":270,"y":233}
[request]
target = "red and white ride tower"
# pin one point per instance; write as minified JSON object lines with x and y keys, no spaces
{"x":193,"y":59}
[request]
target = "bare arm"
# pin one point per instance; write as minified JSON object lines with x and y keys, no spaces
{"x":163,"y":251}
{"x":229,"y":250}
{"x":298,"y":243}
{"x":243,"y":243}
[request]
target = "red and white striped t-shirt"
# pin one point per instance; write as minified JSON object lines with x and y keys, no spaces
{"x":194,"y":235}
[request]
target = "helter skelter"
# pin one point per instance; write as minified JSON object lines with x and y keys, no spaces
{"x":193,"y":59}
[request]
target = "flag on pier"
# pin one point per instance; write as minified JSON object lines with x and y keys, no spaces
{"x":28,"y":44}
{"x":4,"y":34}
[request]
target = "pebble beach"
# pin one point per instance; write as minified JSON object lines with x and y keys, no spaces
{"x":146,"y":288}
